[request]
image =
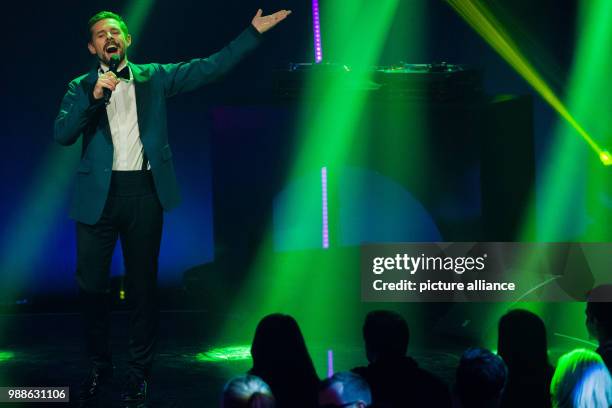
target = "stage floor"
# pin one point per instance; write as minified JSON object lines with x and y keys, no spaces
{"x":47,"y":350}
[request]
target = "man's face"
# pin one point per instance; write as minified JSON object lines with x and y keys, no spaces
{"x":107,"y":40}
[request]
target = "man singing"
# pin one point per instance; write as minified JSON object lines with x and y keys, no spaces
{"x":125,"y":180}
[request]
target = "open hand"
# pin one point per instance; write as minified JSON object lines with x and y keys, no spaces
{"x":264,"y":23}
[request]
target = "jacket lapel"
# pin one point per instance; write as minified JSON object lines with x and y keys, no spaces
{"x":88,"y":83}
{"x":142,"y":89}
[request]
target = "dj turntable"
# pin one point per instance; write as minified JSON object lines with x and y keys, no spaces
{"x":436,"y":82}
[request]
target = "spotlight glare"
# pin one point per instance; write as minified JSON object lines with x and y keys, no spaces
{"x":475,"y":13}
{"x":605,"y":157}
{"x":230,"y":353}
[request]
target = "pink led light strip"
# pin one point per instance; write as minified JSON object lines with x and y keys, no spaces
{"x":325,"y":238}
{"x":316,"y":25}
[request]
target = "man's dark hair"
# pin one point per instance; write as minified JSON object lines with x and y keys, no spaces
{"x":599,"y":306}
{"x":481,"y":378}
{"x":102,"y":15}
{"x":386,"y":333}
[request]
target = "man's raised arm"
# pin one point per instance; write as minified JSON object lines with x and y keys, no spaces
{"x":187,"y":76}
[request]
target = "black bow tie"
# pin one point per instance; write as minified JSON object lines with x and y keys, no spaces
{"x":124,"y":73}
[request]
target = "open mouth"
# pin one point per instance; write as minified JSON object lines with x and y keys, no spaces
{"x":111,"y":49}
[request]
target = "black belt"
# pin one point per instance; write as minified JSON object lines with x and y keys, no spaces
{"x":131,"y":183}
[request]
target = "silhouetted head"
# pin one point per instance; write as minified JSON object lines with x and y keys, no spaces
{"x":581,"y":380}
{"x":481,"y":378}
{"x":281,"y":359}
{"x":345,"y":389}
{"x":386,"y":335}
{"x":278,"y":343}
{"x":247,"y":391}
{"x":599,"y":312}
{"x":522,"y":341}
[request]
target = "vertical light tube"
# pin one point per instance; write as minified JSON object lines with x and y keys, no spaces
{"x":316,"y":26}
{"x":330,"y":363}
{"x":324,"y":213}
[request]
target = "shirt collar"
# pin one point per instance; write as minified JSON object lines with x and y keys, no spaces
{"x":103,"y":68}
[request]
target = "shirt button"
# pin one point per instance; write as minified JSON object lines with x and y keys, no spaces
{"x":106,"y":170}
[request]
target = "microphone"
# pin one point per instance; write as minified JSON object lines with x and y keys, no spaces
{"x":112,"y":66}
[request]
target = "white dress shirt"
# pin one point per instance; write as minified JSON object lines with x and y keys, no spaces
{"x":123,"y":121}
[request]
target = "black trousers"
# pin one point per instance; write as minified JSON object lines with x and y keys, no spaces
{"x":132,"y":213}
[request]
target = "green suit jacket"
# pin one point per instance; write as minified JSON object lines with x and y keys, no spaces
{"x":81,"y":115}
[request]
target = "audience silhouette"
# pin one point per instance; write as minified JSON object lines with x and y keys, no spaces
{"x":395,"y":379}
{"x":523,"y":345}
{"x":520,"y":376}
{"x":481,"y":379}
{"x":599,"y":320}
{"x":281,"y":359}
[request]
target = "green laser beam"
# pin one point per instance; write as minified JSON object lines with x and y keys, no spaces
{"x":565,"y":336}
{"x":524,"y":295}
{"x":475,"y":13}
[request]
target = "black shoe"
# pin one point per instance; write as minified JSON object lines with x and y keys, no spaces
{"x":134,"y":393}
{"x":92,"y":387}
